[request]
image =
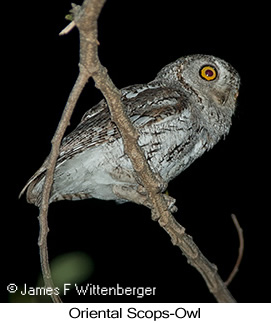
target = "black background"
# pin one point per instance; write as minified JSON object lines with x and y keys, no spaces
{"x":137,"y":39}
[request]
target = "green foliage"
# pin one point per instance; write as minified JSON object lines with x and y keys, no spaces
{"x":69,"y":17}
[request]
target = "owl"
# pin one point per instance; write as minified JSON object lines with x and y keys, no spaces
{"x":179,"y":115}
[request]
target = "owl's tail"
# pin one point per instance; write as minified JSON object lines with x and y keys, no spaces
{"x":34,"y":188}
{"x":32,"y":196}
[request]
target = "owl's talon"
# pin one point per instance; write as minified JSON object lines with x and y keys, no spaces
{"x":161,"y":184}
{"x":170,"y":203}
{"x":154,"y":215}
{"x":141,"y":190}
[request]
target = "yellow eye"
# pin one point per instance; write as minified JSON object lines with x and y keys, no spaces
{"x":208,"y":73}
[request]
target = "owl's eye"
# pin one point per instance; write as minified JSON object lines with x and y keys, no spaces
{"x":208,"y":73}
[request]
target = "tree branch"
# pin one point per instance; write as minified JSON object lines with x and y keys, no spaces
{"x":85,"y":18}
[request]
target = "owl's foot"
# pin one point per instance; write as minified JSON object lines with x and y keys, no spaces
{"x":140,"y":196}
{"x":130,"y":177}
{"x":170,"y":203}
{"x":132,"y":194}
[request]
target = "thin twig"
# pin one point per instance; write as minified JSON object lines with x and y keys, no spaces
{"x":240,"y":251}
{"x":67,"y":29}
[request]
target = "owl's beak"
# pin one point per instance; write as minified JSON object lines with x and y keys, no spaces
{"x":222,"y":96}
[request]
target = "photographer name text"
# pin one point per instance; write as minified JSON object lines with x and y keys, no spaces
{"x":90,"y":289}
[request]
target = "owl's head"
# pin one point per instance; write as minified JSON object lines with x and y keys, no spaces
{"x":209,"y":77}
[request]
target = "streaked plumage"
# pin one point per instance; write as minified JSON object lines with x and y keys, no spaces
{"x":179,"y":115}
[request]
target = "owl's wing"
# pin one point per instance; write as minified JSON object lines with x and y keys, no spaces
{"x":95,"y":128}
{"x":92,"y":130}
{"x":144,"y":105}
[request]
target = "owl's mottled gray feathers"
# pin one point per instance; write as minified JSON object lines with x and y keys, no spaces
{"x":177,"y":119}
{"x":140,"y":111}
{"x":97,"y":128}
